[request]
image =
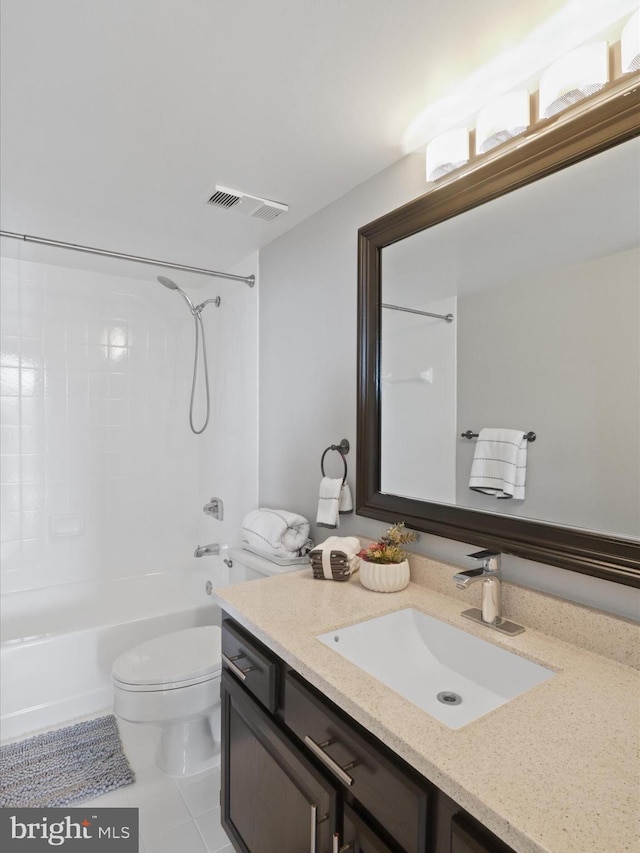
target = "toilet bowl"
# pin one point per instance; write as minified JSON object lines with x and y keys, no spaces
{"x":173,"y":682}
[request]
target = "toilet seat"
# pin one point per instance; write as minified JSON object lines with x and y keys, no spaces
{"x":171,"y":662}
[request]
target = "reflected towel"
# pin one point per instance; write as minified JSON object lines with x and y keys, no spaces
{"x":276,"y":531}
{"x":499,"y":465}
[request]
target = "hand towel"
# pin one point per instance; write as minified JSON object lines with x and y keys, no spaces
{"x":499,"y":465}
{"x":275,"y":531}
{"x":329,"y":502}
{"x":330,"y":550}
{"x":346,"y":501}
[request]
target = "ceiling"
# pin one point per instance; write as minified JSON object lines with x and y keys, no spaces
{"x":119,"y":118}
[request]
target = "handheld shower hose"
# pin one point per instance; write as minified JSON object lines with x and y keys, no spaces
{"x":196,"y":311}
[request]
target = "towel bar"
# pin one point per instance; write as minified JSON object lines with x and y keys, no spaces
{"x":530,"y":436}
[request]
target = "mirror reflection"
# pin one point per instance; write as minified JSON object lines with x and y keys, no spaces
{"x":543,"y":288}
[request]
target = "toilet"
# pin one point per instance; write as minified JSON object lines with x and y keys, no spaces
{"x":173,"y":682}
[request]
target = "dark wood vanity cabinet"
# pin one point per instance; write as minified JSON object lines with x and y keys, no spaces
{"x":299,"y":775}
{"x":273,"y":799}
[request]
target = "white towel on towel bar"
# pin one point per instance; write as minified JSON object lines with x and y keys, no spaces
{"x":329,"y":502}
{"x":334,"y":500}
{"x":276,"y":531}
{"x":499,"y":466}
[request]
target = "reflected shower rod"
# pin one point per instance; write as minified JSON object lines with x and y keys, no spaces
{"x":43,"y":241}
{"x":448,"y":318}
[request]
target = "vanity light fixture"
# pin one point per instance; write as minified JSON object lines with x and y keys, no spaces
{"x":630,"y":44}
{"x":502,"y":119}
{"x":447,"y":152}
{"x":573,"y":77}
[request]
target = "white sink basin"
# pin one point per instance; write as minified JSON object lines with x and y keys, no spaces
{"x":420,"y":657}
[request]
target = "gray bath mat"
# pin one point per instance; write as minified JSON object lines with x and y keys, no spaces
{"x":65,"y":766}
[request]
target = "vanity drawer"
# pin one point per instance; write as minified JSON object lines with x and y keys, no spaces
{"x":251,"y":663}
{"x":392,"y":797}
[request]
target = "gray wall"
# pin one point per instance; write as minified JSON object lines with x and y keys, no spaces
{"x":308,"y":351}
{"x":559,"y":354}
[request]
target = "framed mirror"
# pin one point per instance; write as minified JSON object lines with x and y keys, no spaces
{"x":508,"y":297}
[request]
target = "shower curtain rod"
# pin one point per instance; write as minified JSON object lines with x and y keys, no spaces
{"x":448,"y":318}
{"x":27,"y":238}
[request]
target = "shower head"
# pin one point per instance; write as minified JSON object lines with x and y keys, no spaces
{"x":166,"y":282}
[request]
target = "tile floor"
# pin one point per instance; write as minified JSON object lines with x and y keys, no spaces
{"x":175,"y":814}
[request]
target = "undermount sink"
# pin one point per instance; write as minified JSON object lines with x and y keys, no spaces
{"x":454,"y":676}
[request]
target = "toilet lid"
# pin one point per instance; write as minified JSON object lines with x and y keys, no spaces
{"x":172,"y":658}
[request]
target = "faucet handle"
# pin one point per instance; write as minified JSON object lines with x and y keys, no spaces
{"x":484,"y":555}
{"x":490,"y":560}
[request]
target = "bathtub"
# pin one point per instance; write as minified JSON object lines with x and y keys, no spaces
{"x":58,"y":644}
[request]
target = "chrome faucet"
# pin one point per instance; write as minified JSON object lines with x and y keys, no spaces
{"x":490,"y":574}
{"x":203,"y":550}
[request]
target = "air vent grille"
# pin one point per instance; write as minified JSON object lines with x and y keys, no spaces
{"x":224,"y":197}
{"x":258,"y":208}
{"x":269,"y":210}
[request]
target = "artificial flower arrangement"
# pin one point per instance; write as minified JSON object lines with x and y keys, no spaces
{"x":389,"y":548}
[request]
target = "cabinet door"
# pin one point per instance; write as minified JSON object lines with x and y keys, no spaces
{"x":273,"y":799}
{"x":359,"y":837}
{"x":467,"y":836}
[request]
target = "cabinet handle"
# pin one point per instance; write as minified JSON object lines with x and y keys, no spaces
{"x":314,"y":814}
{"x":318,"y":750}
{"x":240,"y":673}
{"x":335,"y":845}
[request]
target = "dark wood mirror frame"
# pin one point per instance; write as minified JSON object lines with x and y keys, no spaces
{"x":600,"y":122}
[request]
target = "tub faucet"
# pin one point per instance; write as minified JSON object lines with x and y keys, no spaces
{"x":203,"y":550}
{"x":490,"y":574}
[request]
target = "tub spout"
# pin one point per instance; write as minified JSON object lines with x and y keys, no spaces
{"x":203,"y":550}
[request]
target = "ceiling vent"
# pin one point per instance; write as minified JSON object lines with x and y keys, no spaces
{"x":259,"y":208}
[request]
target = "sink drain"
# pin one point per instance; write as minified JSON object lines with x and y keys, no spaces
{"x":449,"y":698}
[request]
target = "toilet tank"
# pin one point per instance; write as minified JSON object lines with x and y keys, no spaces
{"x":248,"y":566}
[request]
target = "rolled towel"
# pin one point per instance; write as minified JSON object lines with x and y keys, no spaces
{"x":276,"y":531}
{"x":329,"y":502}
{"x":499,"y":466}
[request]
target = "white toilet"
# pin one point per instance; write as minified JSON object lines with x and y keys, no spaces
{"x":173,"y":682}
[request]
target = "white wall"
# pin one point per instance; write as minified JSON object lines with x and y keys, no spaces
{"x":308,"y":351}
{"x":418,"y":370}
{"x":101,"y":475}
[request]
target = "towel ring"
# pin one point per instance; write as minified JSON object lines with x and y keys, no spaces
{"x":342,"y":449}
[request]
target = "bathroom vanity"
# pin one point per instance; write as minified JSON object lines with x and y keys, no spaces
{"x":299,"y":774}
{"x":554,"y":770}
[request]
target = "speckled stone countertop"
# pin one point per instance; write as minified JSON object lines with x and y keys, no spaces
{"x":556,"y":769}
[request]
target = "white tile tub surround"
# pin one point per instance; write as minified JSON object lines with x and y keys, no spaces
{"x":101,"y":478}
{"x":99,"y":475}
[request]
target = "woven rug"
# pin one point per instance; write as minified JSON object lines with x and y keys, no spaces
{"x":64,"y":766}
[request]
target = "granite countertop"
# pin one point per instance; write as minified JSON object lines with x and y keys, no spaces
{"x":556,"y":769}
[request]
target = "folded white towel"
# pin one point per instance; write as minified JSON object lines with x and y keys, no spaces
{"x":329,"y":502}
{"x":349,"y":545}
{"x":499,"y":465}
{"x":346,"y":501}
{"x":276,"y":531}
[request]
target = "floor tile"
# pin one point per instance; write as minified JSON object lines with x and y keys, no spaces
{"x":212,"y":832}
{"x":203,"y":793}
{"x":180,"y":839}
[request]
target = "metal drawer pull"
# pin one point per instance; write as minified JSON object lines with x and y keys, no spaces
{"x":314,"y":813}
{"x":335,"y":845}
{"x":318,"y":750}
{"x":240,"y":673}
